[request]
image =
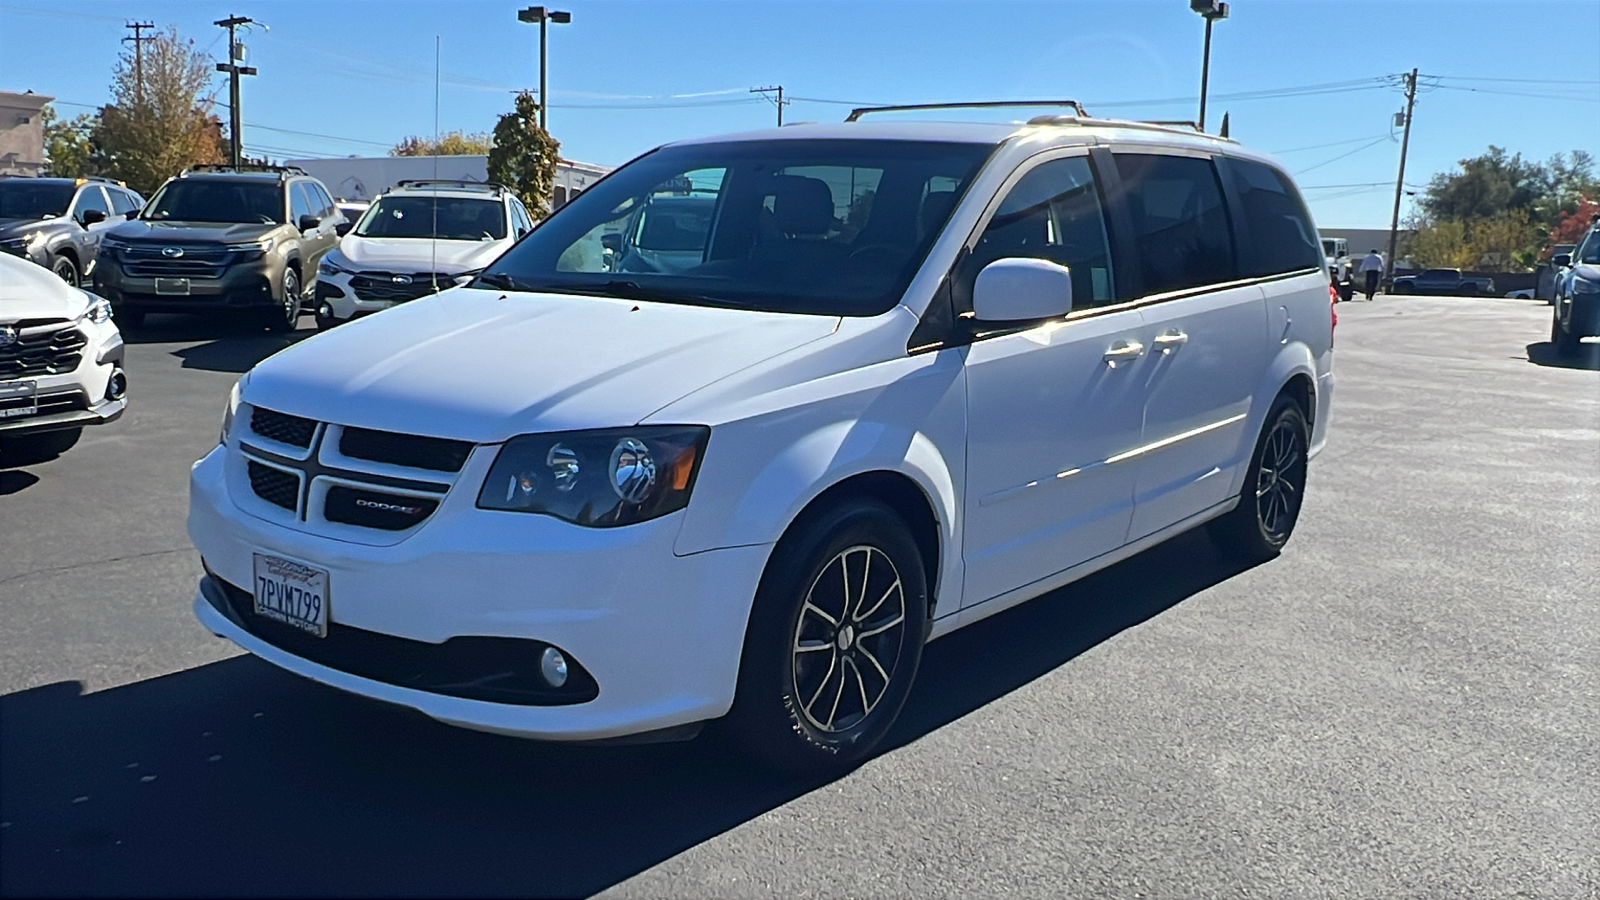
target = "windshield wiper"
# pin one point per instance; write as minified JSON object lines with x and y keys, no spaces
{"x":499,"y":281}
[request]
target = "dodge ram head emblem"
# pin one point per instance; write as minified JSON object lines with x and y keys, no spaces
{"x":401,"y":279}
{"x":8,"y":335}
{"x":172,"y":252}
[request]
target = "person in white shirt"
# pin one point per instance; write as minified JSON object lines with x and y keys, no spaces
{"x":1372,"y":270}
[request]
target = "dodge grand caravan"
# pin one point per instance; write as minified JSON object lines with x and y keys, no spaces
{"x":919,"y":373}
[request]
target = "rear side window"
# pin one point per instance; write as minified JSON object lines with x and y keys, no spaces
{"x":300,"y":203}
{"x":1279,"y":234}
{"x":122,"y":201}
{"x":1179,"y":221}
{"x":320,"y":199}
{"x":1052,"y":213}
{"x":90,"y":198}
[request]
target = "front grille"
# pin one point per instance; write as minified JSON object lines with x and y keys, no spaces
{"x":382,"y":285}
{"x":496,"y":669}
{"x":416,"y":451}
{"x":50,"y":404}
{"x":282,"y":427}
{"x":195,"y":262}
{"x":372,"y":509}
{"x":275,"y":486}
{"x":43,"y":353}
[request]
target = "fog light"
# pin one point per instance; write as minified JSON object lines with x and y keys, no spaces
{"x":325,"y":311}
{"x":553,"y":666}
{"x":117,"y":386}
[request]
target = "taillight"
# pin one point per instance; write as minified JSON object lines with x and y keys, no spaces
{"x":1333,"y":311}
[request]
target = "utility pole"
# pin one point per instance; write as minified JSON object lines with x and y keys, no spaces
{"x":778,"y":88}
{"x":138,"y":40}
{"x":234,"y":70}
{"x":1400,"y":180}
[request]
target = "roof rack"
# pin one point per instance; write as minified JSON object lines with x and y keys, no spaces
{"x":981,"y":104}
{"x":452,"y":182}
{"x":244,"y":167}
{"x":1168,"y":125}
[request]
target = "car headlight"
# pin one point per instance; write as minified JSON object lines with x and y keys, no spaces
{"x":232,"y":407}
{"x":330,"y":266}
{"x":250,"y":248}
{"x":601,"y":478}
{"x":99,"y":311}
{"x":1585,"y":286}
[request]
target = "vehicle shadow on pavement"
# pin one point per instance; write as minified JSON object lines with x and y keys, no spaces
{"x":1543,"y":353}
{"x":229,"y":346}
{"x":236,"y":778}
{"x":13,"y":481}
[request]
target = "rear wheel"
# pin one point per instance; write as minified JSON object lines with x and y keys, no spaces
{"x":834,"y":642}
{"x":30,"y":449}
{"x":1274,"y":488}
{"x":66,"y":269}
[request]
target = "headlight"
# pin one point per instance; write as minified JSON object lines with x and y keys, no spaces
{"x":1585,"y":286}
{"x":601,"y":478}
{"x":328,"y":268}
{"x":232,"y":407}
{"x":99,"y":311}
{"x":260,"y":246}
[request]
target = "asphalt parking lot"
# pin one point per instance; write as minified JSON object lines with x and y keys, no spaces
{"x":1404,"y":704}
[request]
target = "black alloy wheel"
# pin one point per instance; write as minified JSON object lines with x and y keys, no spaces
{"x":834,"y":642}
{"x":1274,"y":489}
{"x":66,"y":269}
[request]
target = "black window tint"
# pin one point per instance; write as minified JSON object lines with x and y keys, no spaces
{"x":1179,"y":222}
{"x":1052,"y":213}
{"x":1279,"y":234}
{"x":299,"y":203}
{"x":89,"y":198}
{"x":122,"y":201}
{"x":322,"y":197}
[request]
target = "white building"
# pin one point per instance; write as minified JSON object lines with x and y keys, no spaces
{"x":22,"y":133}
{"x":363,"y":178}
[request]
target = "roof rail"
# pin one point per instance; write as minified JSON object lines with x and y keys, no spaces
{"x":1169,"y":125}
{"x":244,"y":167}
{"x":981,"y":104}
{"x":104,"y":180}
{"x":451,"y":182}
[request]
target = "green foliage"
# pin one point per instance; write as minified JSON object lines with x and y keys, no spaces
{"x":154,"y":129}
{"x":69,"y":145}
{"x":455,"y":143}
{"x":524,"y":156}
{"x":1498,"y":212}
{"x":1507,"y":242}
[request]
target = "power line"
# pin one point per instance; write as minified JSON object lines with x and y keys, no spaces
{"x":1473,"y":90}
{"x":780,"y":102}
{"x":1334,"y":144}
{"x":1590,"y":81}
{"x":1325,"y":162}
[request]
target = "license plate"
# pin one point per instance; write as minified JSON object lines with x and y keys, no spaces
{"x":18,"y":399}
{"x":292,"y":593}
{"x":179,"y":286}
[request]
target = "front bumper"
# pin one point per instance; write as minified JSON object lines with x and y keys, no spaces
{"x":338,"y":295}
{"x":660,"y":634}
{"x":1580,"y":313}
{"x":247,"y":284}
{"x":78,"y":398}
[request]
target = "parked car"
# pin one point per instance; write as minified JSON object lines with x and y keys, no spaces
{"x":1444,"y":282}
{"x":420,"y":238}
{"x":666,"y":233}
{"x":1336,"y":253}
{"x":60,"y":363}
{"x":1576,"y":311}
{"x":570,"y":502}
{"x":58,"y":222}
{"x":352,"y":210}
{"x":219,"y":240}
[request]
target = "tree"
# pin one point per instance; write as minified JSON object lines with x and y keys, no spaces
{"x":1571,"y":226}
{"x":154,"y":129}
{"x":524,"y":156}
{"x":69,"y":145}
{"x":1438,"y":244}
{"x":454,"y":143}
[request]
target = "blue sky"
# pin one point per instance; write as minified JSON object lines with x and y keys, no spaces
{"x":351,"y":77}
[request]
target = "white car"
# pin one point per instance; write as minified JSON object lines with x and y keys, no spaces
{"x":922,"y":372}
{"x":417,"y":239}
{"x":60,"y":363}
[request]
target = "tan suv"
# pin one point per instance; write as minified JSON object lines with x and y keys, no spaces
{"x":219,"y":239}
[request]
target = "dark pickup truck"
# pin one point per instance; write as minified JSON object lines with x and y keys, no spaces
{"x":1448,"y":282}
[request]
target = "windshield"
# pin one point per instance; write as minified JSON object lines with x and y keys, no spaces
{"x":835,"y":227}
{"x":181,"y":200}
{"x":445,"y":218}
{"x":22,"y":199}
{"x":1590,"y":251}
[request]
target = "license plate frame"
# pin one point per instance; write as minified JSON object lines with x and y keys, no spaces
{"x":28,"y":391}
{"x":173,"y":287}
{"x":290,"y":592}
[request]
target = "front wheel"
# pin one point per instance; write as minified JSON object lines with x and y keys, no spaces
{"x":1274,"y":488}
{"x":286,"y":315}
{"x":31,"y":449}
{"x":66,"y":269}
{"x":1565,"y":340}
{"x":834,"y":642}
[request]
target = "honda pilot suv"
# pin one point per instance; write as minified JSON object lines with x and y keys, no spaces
{"x":215,"y":239}
{"x":904,"y":376}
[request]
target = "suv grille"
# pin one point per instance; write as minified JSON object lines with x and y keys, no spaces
{"x":43,"y":353}
{"x":416,"y":451}
{"x":275,"y":486}
{"x":150,"y":261}
{"x":382,"y":285}
{"x":281,"y":427}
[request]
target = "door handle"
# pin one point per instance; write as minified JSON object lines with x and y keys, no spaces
{"x":1170,"y":340}
{"x":1122,"y":351}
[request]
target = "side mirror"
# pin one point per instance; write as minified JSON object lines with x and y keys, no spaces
{"x":612,"y":242}
{"x":308,"y":222}
{"x":1020,"y":290}
{"x":91,"y":216}
{"x":1562,"y":260}
{"x":131,"y":214}
{"x":343,"y":228}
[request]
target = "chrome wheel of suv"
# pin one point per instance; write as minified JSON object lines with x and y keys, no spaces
{"x":287,"y":314}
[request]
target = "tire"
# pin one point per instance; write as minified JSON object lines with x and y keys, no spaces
{"x":31,"y":449}
{"x":285,"y":316}
{"x":66,"y":269}
{"x":807,"y":620}
{"x":1274,"y":489}
{"x":1565,"y":340}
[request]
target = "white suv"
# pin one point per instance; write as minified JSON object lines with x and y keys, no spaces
{"x":922,"y":372}
{"x":60,"y":363}
{"x":417,"y":239}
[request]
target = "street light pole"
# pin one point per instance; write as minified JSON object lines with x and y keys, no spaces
{"x":1212,"y":11}
{"x":544,"y":17}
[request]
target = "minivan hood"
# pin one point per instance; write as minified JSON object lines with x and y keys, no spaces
{"x":28,"y":291}
{"x":191,"y":232}
{"x":418,"y":254}
{"x":486,"y":366}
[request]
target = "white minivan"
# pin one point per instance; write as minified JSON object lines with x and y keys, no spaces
{"x":919,"y":372}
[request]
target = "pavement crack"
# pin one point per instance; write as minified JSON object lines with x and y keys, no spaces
{"x":79,"y":565}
